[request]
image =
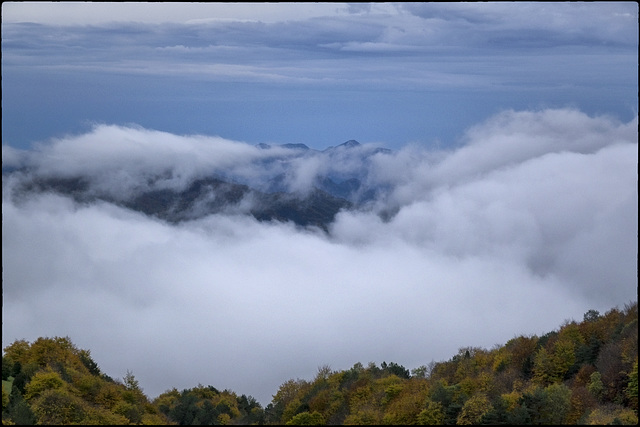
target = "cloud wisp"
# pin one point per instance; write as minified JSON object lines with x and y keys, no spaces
{"x":530,"y":221}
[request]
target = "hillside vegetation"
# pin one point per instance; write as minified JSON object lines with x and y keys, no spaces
{"x":583,"y":373}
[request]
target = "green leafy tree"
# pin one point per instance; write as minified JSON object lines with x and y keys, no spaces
{"x":19,"y":411}
{"x":591,"y":316}
{"x":129,"y":411}
{"x":595,"y":384}
{"x":420,"y":372}
{"x":131,"y":383}
{"x":555,"y":379}
{"x":432,"y":415}
{"x":444,"y":394}
{"x":18,"y":351}
{"x":498,"y":414}
{"x":365,"y":416}
{"x":7,"y":368}
{"x":404,"y":409}
{"x":42,"y":381}
{"x":557,"y":404}
{"x":549,"y":405}
{"x":307,"y":419}
{"x":612,"y":415}
{"x":474,"y":409}
{"x":395,"y":369}
{"x":58,"y":406}
{"x":632,"y":386}
{"x":563,"y":358}
{"x":542,"y":367}
{"x":88,"y":362}
{"x":97,"y":416}
{"x":5,"y":399}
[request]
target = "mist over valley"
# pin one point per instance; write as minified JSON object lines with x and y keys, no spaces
{"x":223,"y":257}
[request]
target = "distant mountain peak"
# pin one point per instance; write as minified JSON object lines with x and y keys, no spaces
{"x":295,"y":146}
{"x":264,"y":146}
{"x":350,"y":143}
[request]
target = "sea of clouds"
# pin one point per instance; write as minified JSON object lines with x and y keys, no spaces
{"x":530,"y":221}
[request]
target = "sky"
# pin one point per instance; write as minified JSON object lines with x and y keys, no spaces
{"x":314,"y":73}
{"x":513,"y":131}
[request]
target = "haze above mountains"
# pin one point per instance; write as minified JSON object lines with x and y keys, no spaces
{"x":280,"y":194}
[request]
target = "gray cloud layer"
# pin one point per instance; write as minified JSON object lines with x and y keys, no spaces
{"x":398,"y":45}
{"x":310,"y":72}
{"x":531,"y":221}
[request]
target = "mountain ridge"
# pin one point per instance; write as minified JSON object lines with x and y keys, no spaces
{"x":278,"y":195}
{"x":203,"y":197}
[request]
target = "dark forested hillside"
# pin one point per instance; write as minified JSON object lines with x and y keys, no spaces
{"x":585,"y":372}
{"x":204,"y":197}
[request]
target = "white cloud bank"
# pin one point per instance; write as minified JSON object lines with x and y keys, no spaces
{"x":533,"y":220}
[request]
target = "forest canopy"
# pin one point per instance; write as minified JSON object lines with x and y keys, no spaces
{"x":585,"y":372}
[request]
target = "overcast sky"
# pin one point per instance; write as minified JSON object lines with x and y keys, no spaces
{"x":315,"y":73}
{"x":514,"y":132}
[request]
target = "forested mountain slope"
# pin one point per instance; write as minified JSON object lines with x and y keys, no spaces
{"x":171,"y":194}
{"x":582,"y":373}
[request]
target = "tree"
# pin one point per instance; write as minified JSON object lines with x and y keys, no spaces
{"x":563,"y":357}
{"x":394,"y":369}
{"x":591,"y":316}
{"x":88,"y":362}
{"x":444,"y":394}
{"x":294,"y":407}
{"x":432,"y":415}
{"x":610,"y":366}
{"x":557,"y":404}
{"x":129,"y":411}
{"x":498,"y":414}
{"x":131,"y":382}
{"x":19,"y":411}
{"x":5,"y":399}
{"x":612,"y":414}
{"x":7,"y":368}
{"x":42,"y":381}
{"x":97,"y":416}
{"x":420,"y":372}
{"x":582,"y":402}
{"x":58,"y":406}
{"x":323,"y":372}
{"x":44,"y":351}
{"x":595,"y":385}
{"x":542,"y":367}
{"x":474,"y":409}
{"x":307,"y":419}
{"x":109,"y":394}
{"x":89,"y":387}
{"x":288,"y":391}
{"x":184,"y":410}
{"x":367,"y":416}
{"x":632,"y":386}
{"x":406,"y":406}
{"x":17,"y":351}
{"x":522,"y":351}
{"x":549,"y":405}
